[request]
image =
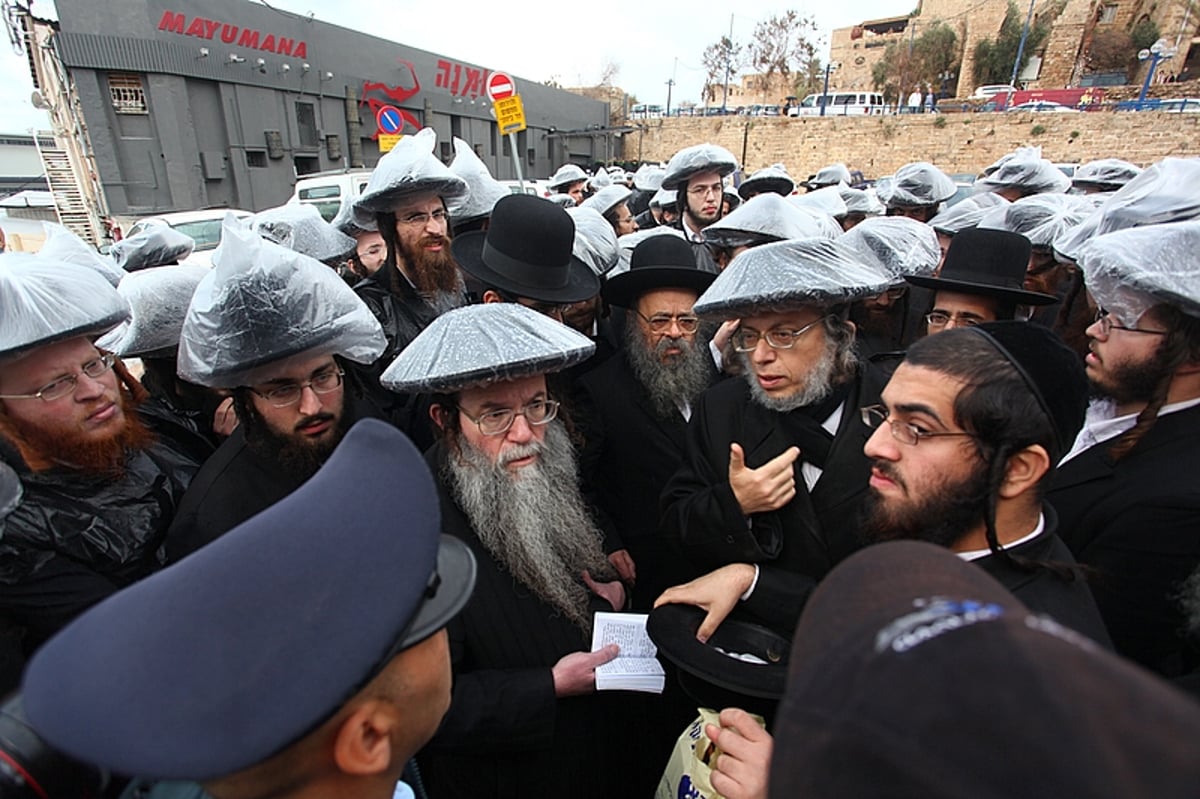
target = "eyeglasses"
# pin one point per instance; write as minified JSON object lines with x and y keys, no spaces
{"x":896,"y":292}
{"x":904,"y":432}
{"x":499,"y":421}
{"x":941,"y":319}
{"x":290,"y":393}
{"x":57,"y":389}
{"x":745,"y":340}
{"x":661,"y":322}
{"x":1107,"y":325}
{"x":704,"y":191}
{"x":422,"y":218}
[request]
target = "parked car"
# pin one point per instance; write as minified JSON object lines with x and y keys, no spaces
{"x":538,"y":188}
{"x":203,"y":226}
{"x":329,"y":190}
{"x":991,"y":90}
{"x":1178,"y":105}
{"x":1045,"y":106}
{"x":842,"y":104}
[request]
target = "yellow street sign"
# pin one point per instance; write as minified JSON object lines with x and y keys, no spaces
{"x":510,"y":114}
{"x":388,"y":140}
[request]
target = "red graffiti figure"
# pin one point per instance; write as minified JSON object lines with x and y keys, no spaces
{"x":392,"y":95}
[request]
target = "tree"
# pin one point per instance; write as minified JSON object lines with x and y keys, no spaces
{"x":783,"y":43}
{"x":994,"y":57}
{"x":1144,"y":33}
{"x":810,"y":79}
{"x":608,"y":74}
{"x":720,"y":58}
{"x":1110,"y":51}
{"x":922,"y":60}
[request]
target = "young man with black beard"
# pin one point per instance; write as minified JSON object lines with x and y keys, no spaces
{"x":697,"y":175}
{"x":275,"y":329}
{"x":525,"y":719}
{"x":633,"y":411}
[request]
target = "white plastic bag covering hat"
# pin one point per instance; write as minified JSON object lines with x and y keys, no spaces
{"x":774,"y":178}
{"x":830,"y":176}
{"x":156,"y":245}
{"x":915,"y":184}
{"x":785,"y":273}
{"x":628,"y":243}
{"x":966,"y":213}
{"x":348,"y":224}
{"x":828,"y":200}
{"x":595,"y":239}
{"x":601,"y":180}
{"x":1129,"y":271}
{"x":664,"y":197}
{"x":1026,"y":170}
{"x":47,"y":300}
{"x":158,"y":299}
{"x":566,"y":175}
{"x":902,"y":246}
{"x":1107,"y":173}
{"x":649,"y":177}
{"x":409,"y":168}
{"x":262,"y":303}
{"x":562,"y":200}
{"x":607,"y":198}
{"x":484,"y":191}
{"x":301,"y":227}
{"x":482,"y":344}
{"x":1020,"y":152}
{"x":64,"y":246}
{"x":1041,"y":218}
{"x":772,"y":218}
{"x":696,"y":159}
{"x":1165,"y":192}
{"x":860,"y":201}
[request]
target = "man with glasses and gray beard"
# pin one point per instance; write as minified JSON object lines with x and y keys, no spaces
{"x":634,"y":409}
{"x":774,"y":469}
{"x":524,"y":720}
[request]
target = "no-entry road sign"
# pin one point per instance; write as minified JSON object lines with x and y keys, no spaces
{"x":500,"y":87}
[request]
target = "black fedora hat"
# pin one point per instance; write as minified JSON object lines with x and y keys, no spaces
{"x":527,"y":252}
{"x":987,"y":262}
{"x":660,"y":262}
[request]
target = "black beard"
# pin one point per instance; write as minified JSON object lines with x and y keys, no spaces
{"x":681,"y":379}
{"x":941,"y":517}
{"x":295,"y":457}
{"x":1130,"y":383}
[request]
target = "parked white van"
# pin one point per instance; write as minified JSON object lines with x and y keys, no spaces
{"x":328,"y":190}
{"x":841,"y":104}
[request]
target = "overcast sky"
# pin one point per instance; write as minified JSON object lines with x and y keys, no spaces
{"x":571,"y":41}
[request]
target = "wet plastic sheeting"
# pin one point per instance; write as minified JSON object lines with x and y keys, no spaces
{"x":595,"y":240}
{"x":409,"y":168}
{"x":967,"y":213}
{"x":1128,"y":271}
{"x":157,"y":245}
{"x":158,"y":299}
{"x":902,"y":246}
{"x":301,"y":228}
{"x":63,"y":246}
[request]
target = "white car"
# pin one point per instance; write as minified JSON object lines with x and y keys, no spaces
{"x":1045,"y":105}
{"x":538,"y":188}
{"x":203,"y":226}
{"x":991,"y":90}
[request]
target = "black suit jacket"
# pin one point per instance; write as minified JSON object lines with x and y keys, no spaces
{"x":808,"y":535}
{"x":1136,"y":524}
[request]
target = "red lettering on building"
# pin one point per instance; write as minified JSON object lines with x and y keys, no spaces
{"x":284,"y":45}
{"x":172,"y":22}
{"x":249,"y":38}
{"x":229,"y":33}
{"x":202,"y":28}
{"x":196,"y":28}
{"x":269,"y":43}
{"x":465,"y":81}
{"x":301,"y":50}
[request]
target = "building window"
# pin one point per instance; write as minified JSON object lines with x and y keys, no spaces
{"x":306,"y":124}
{"x":1108,"y":14}
{"x":127,"y":94}
{"x":256,"y":159}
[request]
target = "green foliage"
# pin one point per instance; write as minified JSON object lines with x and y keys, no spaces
{"x":920,"y":60}
{"x":810,"y":78}
{"x":1144,"y":34}
{"x":1037,"y":130}
{"x":994,"y":57}
{"x":939,"y":122}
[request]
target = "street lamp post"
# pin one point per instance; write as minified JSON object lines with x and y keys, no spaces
{"x":1159,"y":51}
{"x":832,"y":66}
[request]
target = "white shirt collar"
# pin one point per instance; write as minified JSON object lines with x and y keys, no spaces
{"x":976,"y":554}
{"x":1102,"y":423}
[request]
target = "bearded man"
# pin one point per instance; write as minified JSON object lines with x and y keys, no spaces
{"x":524,"y":720}
{"x":100,"y":488}
{"x":276,"y":329}
{"x":698,"y":174}
{"x":634,"y":409}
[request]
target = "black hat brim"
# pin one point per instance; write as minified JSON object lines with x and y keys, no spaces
{"x":456,"y":573}
{"x":582,"y":283}
{"x":779,"y":186}
{"x":673,"y":630}
{"x":1018,"y":296}
{"x":624,"y":289}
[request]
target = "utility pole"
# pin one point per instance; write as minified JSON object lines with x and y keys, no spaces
{"x":670,"y":84}
{"x":1020,"y":52}
{"x":728,"y":66}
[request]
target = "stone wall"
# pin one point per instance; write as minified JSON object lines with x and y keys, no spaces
{"x":955,"y":142}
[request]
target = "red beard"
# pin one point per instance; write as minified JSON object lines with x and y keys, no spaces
{"x":432,"y":271}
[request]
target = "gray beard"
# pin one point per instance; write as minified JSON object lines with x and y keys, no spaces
{"x":534,"y":522}
{"x":677,"y":381}
{"x":817,"y":386}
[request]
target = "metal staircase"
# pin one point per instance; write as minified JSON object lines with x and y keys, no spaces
{"x":69,"y":203}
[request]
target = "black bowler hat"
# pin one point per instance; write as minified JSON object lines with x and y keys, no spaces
{"x":659,"y":262}
{"x":990,"y":263}
{"x":527,"y":252}
{"x":224,"y":659}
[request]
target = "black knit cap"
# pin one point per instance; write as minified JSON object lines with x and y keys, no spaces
{"x":1051,"y":370}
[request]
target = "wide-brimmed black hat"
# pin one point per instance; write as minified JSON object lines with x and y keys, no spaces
{"x":527,"y":252}
{"x":991,"y":263}
{"x":659,"y":262}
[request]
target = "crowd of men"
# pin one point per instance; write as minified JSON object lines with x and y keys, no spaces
{"x":948,"y":452}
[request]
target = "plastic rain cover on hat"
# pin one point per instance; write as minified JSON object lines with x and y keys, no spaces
{"x":484,"y":191}
{"x":831,"y":176}
{"x":346,"y":223}
{"x":628,"y":243}
{"x":696,"y":159}
{"x":649,"y":177}
{"x":482,"y":344}
{"x":63,"y":246}
{"x":773,"y":178}
{"x":595,"y":239}
{"x":827,"y":199}
{"x":300,"y":227}
{"x":262,"y":303}
{"x":1041,"y":218}
{"x":1129,"y":271}
{"x":664,"y":197}
{"x":783,"y":273}
{"x":157,"y":245}
{"x":562,"y":200}
{"x":902,"y":246}
{"x":600,"y":180}
{"x":966,"y":213}
{"x":409,"y":168}
{"x":915,"y":184}
{"x":859,"y":201}
{"x":566,"y":175}
{"x":773,"y":217}
{"x":607,"y":198}
{"x":1165,"y":192}
{"x":1111,"y":173}
{"x":47,"y":300}
{"x":1027,"y":171}
{"x":158,"y":300}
